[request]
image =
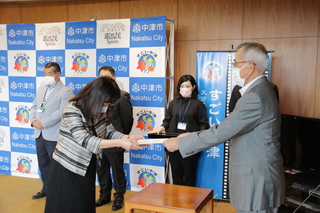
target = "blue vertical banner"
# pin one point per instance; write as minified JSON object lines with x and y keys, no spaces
{"x":211,"y":77}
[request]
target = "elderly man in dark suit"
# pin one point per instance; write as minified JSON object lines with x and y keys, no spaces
{"x":256,"y":176}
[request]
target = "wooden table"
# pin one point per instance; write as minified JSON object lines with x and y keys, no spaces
{"x":168,"y":198}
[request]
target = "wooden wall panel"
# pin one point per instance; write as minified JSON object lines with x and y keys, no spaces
{"x":294,"y":72}
{"x":10,"y":14}
{"x":209,"y":20}
{"x":147,"y":8}
{"x":185,"y":52}
{"x":98,"y":9}
{"x":317,"y":86}
{"x":43,"y":13}
{"x":291,"y":28}
{"x":285,"y":18}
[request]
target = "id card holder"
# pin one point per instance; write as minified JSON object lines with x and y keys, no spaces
{"x":182,"y":126}
{"x":41,"y":109}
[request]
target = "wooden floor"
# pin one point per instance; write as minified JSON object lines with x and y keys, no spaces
{"x":16,"y":193}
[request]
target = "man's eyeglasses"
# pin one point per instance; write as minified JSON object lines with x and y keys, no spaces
{"x":239,"y":62}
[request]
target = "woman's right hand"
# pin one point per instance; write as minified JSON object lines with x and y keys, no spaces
{"x":160,"y":130}
{"x":126,"y":142}
{"x":130,"y":143}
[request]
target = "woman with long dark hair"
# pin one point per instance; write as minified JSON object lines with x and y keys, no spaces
{"x":85,"y":130}
{"x":185,"y":114}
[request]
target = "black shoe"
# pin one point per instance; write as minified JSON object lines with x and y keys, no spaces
{"x":117,"y":204}
{"x":38,"y":195}
{"x":101,"y":202}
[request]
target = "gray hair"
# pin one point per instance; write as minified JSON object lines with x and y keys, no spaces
{"x":256,"y":53}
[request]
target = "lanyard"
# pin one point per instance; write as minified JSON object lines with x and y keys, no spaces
{"x":185,"y":111}
{"x":45,"y":93}
{"x":44,"y":98}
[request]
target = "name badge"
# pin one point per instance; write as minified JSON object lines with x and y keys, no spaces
{"x":41,"y":109}
{"x":182,"y":126}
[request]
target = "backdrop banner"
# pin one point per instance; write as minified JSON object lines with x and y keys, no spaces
{"x":135,"y":48}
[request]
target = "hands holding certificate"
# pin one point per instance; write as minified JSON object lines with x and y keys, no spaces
{"x":172,"y":143}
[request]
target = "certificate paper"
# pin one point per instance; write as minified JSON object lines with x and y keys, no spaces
{"x":151,"y":141}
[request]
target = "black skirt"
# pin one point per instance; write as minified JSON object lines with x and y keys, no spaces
{"x":69,"y":192}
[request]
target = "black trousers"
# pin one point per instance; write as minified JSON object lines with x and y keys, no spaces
{"x":44,"y":154}
{"x":112,"y":157}
{"x":183,"y":169}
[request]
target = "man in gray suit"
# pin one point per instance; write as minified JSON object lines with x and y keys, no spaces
{"x":46,"y":112}
{"x":256,"y":176}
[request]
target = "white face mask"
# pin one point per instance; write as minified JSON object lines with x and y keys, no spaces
{"x":236,"y":72}
{"x":49,"y":80}
{"x":186,"y":92}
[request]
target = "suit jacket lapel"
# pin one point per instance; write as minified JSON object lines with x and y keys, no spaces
{"x":55,"y":90}
{"x":41,"y":94}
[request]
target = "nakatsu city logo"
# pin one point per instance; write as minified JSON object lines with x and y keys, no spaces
{"x":21,"y":64}
{"x":146,"y":122}
{"x":22,"y":116}
{"x":80,"y":63}
{"x":146,"y":176}
{"x":24,"y":165}
{"x":212,"y":72}
{"x":147,"y":61}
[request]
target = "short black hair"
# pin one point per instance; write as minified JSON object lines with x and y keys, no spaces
{"x":109,"y":68}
